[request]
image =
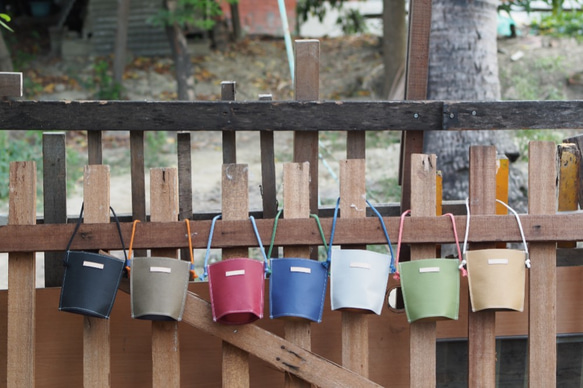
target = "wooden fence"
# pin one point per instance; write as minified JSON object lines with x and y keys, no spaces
{"x":48,"y":348}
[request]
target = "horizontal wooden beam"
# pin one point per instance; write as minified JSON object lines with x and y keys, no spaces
{"x":230,"y":234}
{"x":272,"y":349}
{"x":289,"y":115}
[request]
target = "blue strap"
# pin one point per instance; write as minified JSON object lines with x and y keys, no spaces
{"x":208,"y":247}
{"x":265,"y":261}
{"x":326,"y":264}
{"x":392,"y":265}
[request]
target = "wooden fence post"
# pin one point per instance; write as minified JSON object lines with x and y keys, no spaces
{"x":296,"y":204}
{"x":235,"y":206}
{"x":423,"y":336}
{"x":354,"y":324}
{"x":542,"y":305}
{"x":482,"y":324}
{"x":20,"y":368}
{"x":569,"y":166}
{"x":268,"y":188}
{"x":96,"y":334}
{"x":138,"y":180}
{"x":184,"y":151}
{"x":307,"y":88}
{"x":165,"y":338}
{"x":229,"y":137}
{"x":54,"y":198}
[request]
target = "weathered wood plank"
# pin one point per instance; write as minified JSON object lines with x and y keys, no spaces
{"x":55,"y":199}
{"x":422,"y":342}
{"x":94,"y":147}
{"x":235,"y":206}
{"x":229,"y":137}
{"x":96,"y":331}
{"x":542,"y":306}
{"x":482,"y":324}
{"x":229,"y":234}
{"x":184,"y":153}
{"x":276,"y":351}
{"x":164,"y":207}
{"x":10,"y":84}
{"x":268,"y":186}
{"x":138,"y":180}
{"x":355,"y":355}
{"x":20,"y":362}
{"x":307,"y":88}
{"x":296,"y":204}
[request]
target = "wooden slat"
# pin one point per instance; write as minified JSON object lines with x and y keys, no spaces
{"x":422,"y":342}
{"x":268,"y":182}
{"x":569,"y":166}
{"x":230,"y":234}
{"x":54,"y":198}
{"x":482,"y":324}
{"x":165,"y":338}
{"x":542,"y":347}
{"x":296,"y":195}
{"x":355,"y":333}
{"x":184,"y":150}
{"x":307,"y":88}
{"x":578,"y":140}
{"x":289,"y":115}
{"x":235,"y":206}
{"x":10,"y":84}
{"x":20,"y":363}
{"x":229,"y":137}
{"x":138,"y":180}
{"x":96,"y":331}
{"x":94,"y":147}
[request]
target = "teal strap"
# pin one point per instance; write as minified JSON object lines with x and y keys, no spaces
{"x":392,"y":265}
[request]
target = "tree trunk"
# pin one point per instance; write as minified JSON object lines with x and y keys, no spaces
{"x":121,"y":40}
{"x":5,"y":58}
{"x":394,"y":48}
{"x":236,"y":21}
{"x":463,"y":65}
{"x":182,"y":63}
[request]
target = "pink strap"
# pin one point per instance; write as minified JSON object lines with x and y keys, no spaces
{"x":397,"y":276}
{"x":457,"y":243}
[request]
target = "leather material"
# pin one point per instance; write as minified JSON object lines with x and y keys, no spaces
{"x":297,"y":288}
{"x":236,"y":290}
{"x":496,"y":279}
{"x":158,"y":288}
{"x":358,"y":279}
{"x":90,"y":283}
{"x":431,"y":289}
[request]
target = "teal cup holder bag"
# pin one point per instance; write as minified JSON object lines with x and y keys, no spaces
{"x":297,"y":286}
{"x":159,"y":284}
{"x":431,"y":287}
{"x":236,"y":285}
{"x":91,"y":279}
{"x":359,"y":278}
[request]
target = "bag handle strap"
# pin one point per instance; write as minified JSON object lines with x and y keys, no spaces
{"x":314,"y":216}
{"x":193,"y":274}
{"x":266,"y":268}
{"x":397,"y":276}
{"x":392,"y":265}
{"x":526,"y":260}
{"x":129,"y":262}
{"x":80,"y":219}
{"x":208,"y":246}
{"x":329,"y":255}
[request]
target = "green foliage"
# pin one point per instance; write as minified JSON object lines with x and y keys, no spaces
{"x":564,"y":24}
{"x":4,"y":18}
{"x":17,"y":149}
{"x":351,"y":21}
{"x":195,"y":13}
{"x":540,"y":79}
{"x":108,"y":89}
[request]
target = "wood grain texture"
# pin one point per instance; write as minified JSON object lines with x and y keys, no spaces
{"x":482,"y":324}
{"x":54,"y":198}
{"x":569,"y":172}
{"x":229,"y":137}
{"x":138,"y":177}
{"x":10,"y":84}
{"x":268,"y":178}
{"x":355,"y":333}
{"x":422,"y":339}
{"x":184,"y":150}
{"x":542,"y":347}
{"x":96,"y":331}
{"x":21,"y":324}
{"x":164,"y":204}
{"x":296,"y":205}
{"x":235,"y":206}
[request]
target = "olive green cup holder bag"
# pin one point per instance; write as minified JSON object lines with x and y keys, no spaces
{"x":158,"y":285}
{"x":496,"y":277}
{"x":431,"y":287}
